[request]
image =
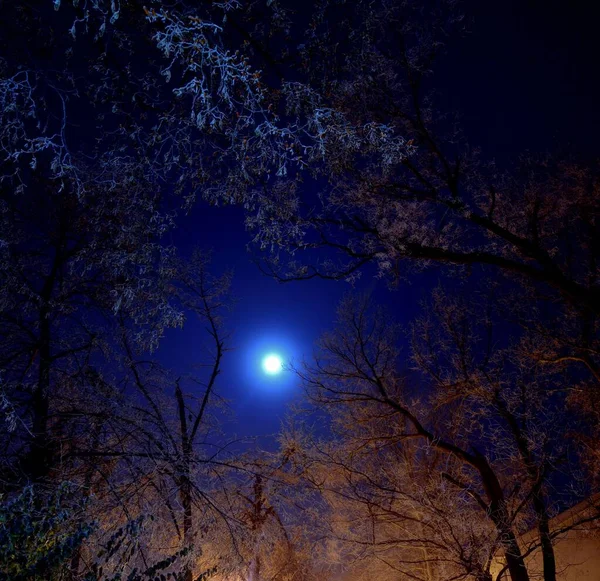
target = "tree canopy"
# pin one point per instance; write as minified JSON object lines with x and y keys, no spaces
{"x":437,"y":445}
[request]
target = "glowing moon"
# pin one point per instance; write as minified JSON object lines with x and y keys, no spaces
{"x":272,"y":364}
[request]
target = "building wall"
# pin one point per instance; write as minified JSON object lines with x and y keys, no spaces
{"x":577,"y":551}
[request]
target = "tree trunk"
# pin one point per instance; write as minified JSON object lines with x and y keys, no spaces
{"x":548,"y":558}
{"x":535,"y":474}
{"x":512,"y":552}
{"x":38,"y":461}
{"x":257,"y":520}
{"x":499,"y":516}
{"x":185,"y":495}
{"x":185,"y":482}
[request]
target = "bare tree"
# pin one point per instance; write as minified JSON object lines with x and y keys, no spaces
{"x":438,"y":203}
{"x":477,"y":427}
{"x":67,"y":264}
{"x":380,"y":508}
{"x":277,"y":546}
{"x":163,"y":437}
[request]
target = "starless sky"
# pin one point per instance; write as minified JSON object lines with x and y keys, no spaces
{"x":525,"y":78}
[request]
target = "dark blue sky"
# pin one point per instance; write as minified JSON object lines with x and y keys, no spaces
{"x":524,"y":78}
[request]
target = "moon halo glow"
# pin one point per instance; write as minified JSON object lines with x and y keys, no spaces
{"x":272,"y":364}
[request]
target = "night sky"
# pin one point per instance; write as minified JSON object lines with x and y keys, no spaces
{"x":149,"y":152}
{"x":523,"y":78}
